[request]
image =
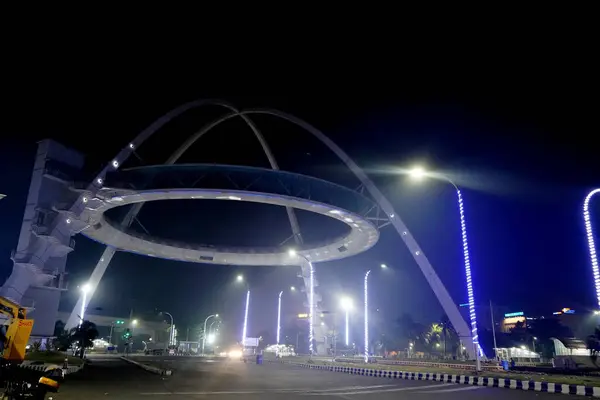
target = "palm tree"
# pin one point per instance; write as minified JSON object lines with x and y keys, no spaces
{"x":84,"y":334}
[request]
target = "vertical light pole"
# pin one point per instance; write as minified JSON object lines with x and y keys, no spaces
{"x":244,"y":330}
{"x":367,"y":316}
{"x":311,"y":299}
{"x":383,"y":266}
{"x":494,"y":331}
{"x":240,"y":279}
{"x":590,"y":239}
{"x":204,"y":332}
{"x":171,"y":330}
{"x":347,"y":306}
{"x":419,"y":173}
{"x":292,"y":289}
{"x":84,"y":289}
{"x":279,"y":316}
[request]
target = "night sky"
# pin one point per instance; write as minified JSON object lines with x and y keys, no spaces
{"x":523,"y":150}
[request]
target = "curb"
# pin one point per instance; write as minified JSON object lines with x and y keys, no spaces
{"x":537,"y":386}
{"x":154,"y":370}
{"x":42,"y":367}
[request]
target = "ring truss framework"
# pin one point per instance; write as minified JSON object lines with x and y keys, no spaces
{"x":433,"y":279}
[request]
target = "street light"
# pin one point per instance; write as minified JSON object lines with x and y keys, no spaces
{"x":590,"y":239}
{"x":84,"y":289}
{"x":239,"y":278}
{"x":419,"y":173}
{"x":172,"y":330}
{"x":311,"y":298}
{"x":383,"y":266}
{"x":292,"y":289}
{"x":367,"y":315}
{"x":347,"y":306}
{"x":204,"y":335}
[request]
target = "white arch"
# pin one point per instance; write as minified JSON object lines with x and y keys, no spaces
{"x":434,"y":281}
{"x":590,"y":239}
{"x":109,"y":252}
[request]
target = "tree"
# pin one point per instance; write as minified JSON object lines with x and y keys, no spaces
{"x":84,"y":335}
{"x":62,"y":340}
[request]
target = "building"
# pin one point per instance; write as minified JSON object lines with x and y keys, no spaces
{"x":38,"y":276}
{"x":511,"y":320}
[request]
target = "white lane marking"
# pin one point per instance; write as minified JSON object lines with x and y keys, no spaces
{"x":398,"y":389}
{"x":304,"y":390}
{"x":460,"y":389}
{"x":265,"y":391}
{"x":199,"y":393}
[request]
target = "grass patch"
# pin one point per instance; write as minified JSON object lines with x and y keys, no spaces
{"x":523,"y":376}
{"x":52,"y":357}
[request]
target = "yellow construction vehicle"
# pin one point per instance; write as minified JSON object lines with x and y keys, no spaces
{"x":18,"y":382}
{"x":17,"y":332}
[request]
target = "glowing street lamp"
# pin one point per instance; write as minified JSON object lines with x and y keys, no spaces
{"x":85,"y":290}
{"x":205,"y":334}
{"x":279,"y":315}
{"x":590,"y":239}
{"x":245,"y":329}
{"x":311,"y":298}
{"x":367,"y":315}
{"x":292,"y":289}
{"x":420,"y":173}
{"x":347,"y":306}
{"x":239,"y":278}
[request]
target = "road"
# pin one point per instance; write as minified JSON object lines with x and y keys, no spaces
{"x":228,"y":380}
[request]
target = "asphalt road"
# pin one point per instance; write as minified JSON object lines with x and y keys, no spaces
{"x":228,"y":380}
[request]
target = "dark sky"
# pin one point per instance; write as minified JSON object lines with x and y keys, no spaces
{"x":520,"y":144}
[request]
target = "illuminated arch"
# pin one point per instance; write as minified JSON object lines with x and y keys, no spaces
{"x":590,"y":239}
{"x":434,"y":281}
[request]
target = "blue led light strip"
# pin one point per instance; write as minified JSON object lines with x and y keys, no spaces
{"x":470,"y":292}
{"x":367,"y":316}
{"x":246,"y":319}
{"x":590,"y":240}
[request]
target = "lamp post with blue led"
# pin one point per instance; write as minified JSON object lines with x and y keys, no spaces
{"x":366,"y":304}
{"x":419,"y":173}
{"x":240,"y":279}
{"x":311,"y":298}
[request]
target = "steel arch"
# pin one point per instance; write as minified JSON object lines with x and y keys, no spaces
{"x":433,"y":279}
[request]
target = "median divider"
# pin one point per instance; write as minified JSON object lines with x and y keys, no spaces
{"x":149,"y":368}
{"x":506,"y":383}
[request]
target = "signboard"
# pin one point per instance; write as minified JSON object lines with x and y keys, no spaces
{"x":251,"y":342}
{"x":514,"y":314}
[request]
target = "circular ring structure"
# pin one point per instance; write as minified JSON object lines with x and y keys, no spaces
{"x":175,"y":182}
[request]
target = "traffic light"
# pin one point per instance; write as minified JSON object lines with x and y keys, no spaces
{"x":119,"y":322}
{"x":127,"y":334}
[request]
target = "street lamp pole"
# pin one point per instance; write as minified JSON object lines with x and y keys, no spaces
{"x":367,"y":316}
{"x":311,"y":299}
{"x":590,"y":239}
{"x":84,"y":289}
{"x":419,"y":173}
{"x":204,"y":332}
{"x":171,"y":330}
{"x":279,"y":316}
{"x":245,"y":319}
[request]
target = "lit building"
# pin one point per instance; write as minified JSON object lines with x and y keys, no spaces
{"x":511,"y":320}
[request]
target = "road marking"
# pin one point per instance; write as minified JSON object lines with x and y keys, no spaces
{"x":460,"y":389}
{"x":304,"y":390}
{"x":398,"y":389}
{"x":200,"y":393}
